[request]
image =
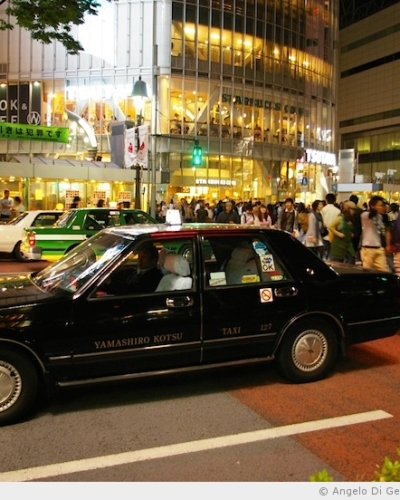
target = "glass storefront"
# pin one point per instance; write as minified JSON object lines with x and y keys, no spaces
{"x":44,"y":194}
{"x":252,"y":80}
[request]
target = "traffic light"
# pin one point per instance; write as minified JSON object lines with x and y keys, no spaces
{"x":197,"y":155}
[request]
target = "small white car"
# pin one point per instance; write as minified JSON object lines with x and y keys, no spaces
{"x":11,"y":233}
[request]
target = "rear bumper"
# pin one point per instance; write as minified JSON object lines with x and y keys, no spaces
{"x":372,"y":330}
{"x":31,"y":253}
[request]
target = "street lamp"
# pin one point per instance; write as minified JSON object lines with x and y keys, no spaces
{"x":139,"y":94}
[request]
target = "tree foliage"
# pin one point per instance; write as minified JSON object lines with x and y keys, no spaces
{"x":49,"y":20}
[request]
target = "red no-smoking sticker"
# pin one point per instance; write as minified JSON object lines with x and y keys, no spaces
{"x":266,"y":295}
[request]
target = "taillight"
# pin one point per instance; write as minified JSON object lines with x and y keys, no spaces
{"x":32,"y":239}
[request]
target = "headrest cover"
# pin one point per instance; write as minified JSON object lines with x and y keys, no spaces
{"x":177,"y":264}
{"x":242,"y":254}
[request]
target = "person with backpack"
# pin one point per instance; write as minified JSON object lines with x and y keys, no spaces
{"x":247,"y":218}
{"x":341,"y":229}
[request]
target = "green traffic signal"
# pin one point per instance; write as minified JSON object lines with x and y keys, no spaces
{"x":197,"y":156}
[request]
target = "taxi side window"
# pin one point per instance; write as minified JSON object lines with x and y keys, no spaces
{"x":97,"y":220}
{"x":240,"y":261}
{"x":91,"y":224}
{"x":156,"y":266}
{"x":45,"y":220}
{"x":176,"y":264}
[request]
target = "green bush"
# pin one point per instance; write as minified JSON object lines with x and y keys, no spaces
{"x":389,"y":472}
{"x":321,"y":477}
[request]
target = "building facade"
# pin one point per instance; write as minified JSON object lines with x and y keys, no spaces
{"x":253,"y":81}
{"x":369,"y":98}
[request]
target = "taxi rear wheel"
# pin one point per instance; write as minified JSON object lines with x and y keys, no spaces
{"x":18,"y":254}
{"x":308,"y":351}
{"x":18,"y":385}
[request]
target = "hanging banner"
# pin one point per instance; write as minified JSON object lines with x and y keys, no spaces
{"x":136,"y":155}
{"x":33,"y":133}
{"x":142,"y":154}
{"x":130,"y":149}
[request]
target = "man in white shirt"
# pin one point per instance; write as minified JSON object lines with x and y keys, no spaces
{"x":6,"y":205}
{"x":375,"y":236}
{"x":329,"y":214}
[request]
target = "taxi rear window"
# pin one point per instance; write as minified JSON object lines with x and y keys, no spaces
{"x":241,"y":261}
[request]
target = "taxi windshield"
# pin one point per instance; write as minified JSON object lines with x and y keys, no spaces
{"x":81,"y":264}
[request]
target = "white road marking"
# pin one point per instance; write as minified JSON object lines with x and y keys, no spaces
{"x":86,"y":464}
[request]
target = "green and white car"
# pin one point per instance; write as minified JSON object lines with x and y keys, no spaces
{"x":73,"y":227}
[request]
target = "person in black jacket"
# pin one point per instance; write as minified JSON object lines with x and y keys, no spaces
{"x":201,"y":213}
{"x":76,"y":202}
{"x":356,"y":220}
{"x":228,"y":216}
{"x":147,"y":275}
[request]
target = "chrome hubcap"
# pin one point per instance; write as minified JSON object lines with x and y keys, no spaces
{"x":309,"y":350}
{"x":10,"y":385}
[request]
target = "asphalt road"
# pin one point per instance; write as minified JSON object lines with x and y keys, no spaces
{"x":8,"y":265}
{"x":236,"y":424}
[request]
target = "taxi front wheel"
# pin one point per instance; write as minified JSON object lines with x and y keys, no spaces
{"x":307,"y":351}
{"x":18,"y":385}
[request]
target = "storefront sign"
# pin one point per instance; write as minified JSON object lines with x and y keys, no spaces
{"x":70,"y":194}
{"x":34,"y":133}
{"x":215,"y":182}
{"x":99,"y":195}
{"x":124,"y":196}
{"x":259,"y":103}
{"x":18,"y":102}
{"x":320,"y":157}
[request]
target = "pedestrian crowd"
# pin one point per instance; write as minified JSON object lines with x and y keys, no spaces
{"x":337,"y":232}
{"x":225,"y":211}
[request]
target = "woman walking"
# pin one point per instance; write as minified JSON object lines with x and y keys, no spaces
{"x":313,"y":236}
{"x":341,"y":248}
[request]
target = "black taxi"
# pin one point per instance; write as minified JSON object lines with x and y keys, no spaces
{"x":151,"y":299}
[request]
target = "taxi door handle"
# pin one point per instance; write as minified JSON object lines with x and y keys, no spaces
{"x":179,"y":302}
{"x":288,"y":291}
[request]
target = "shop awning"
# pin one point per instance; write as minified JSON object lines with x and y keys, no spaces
{"x":63,"y":168}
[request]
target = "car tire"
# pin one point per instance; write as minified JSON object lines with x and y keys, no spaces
{"x":308,"y":351}
{"x":19,"y":383}
{"x":17,"y":253}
